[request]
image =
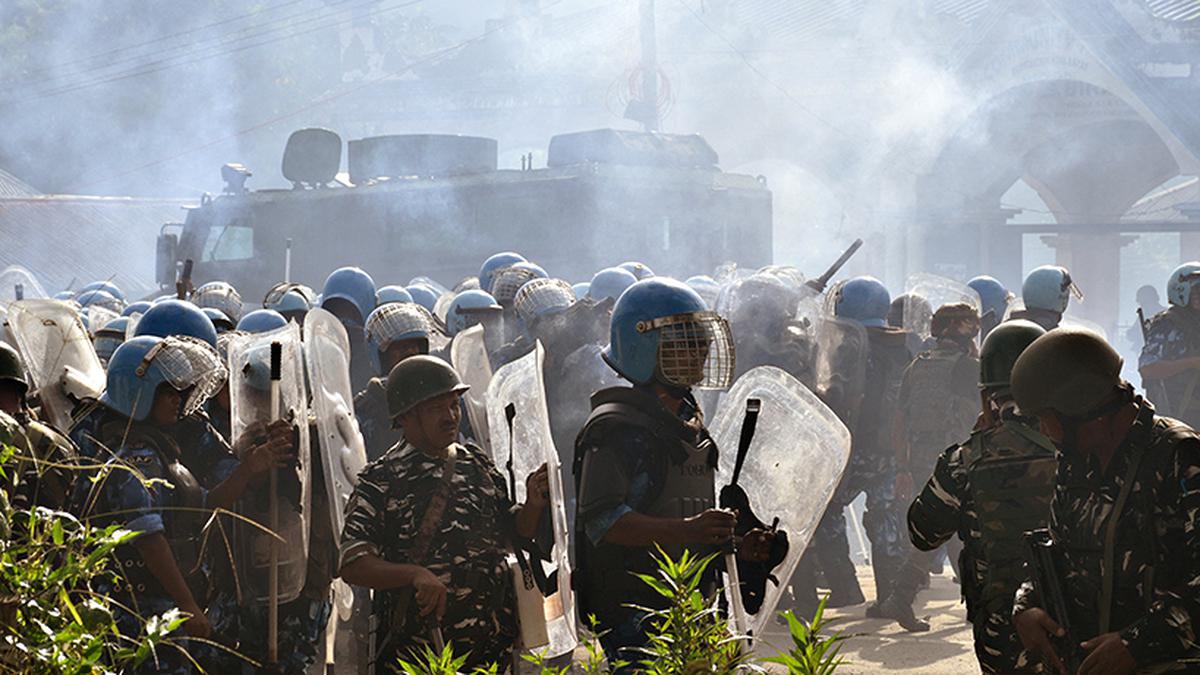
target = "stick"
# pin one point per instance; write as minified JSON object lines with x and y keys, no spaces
{"x":287,"y":262}
{"x":273,"y":603}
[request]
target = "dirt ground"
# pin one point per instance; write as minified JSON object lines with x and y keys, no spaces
{"x":880,"y":646}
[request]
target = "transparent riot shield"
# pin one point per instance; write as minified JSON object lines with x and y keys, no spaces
{"x":58,"y":355}
{"x":520,"y":384}
{"x":96,"y":317}
{"x":937,"y":291}
{"x":343,"y":453}
{"x":842,"y":350}
{"x":799,"y":442}
{"x":18,"y":283}
{"x":249,"y":397}
{"x":468,"y":355}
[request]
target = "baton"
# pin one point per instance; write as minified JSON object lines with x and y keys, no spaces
{"x":273,"y":578}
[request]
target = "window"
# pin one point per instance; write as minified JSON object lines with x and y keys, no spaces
{"x":231,"y":242}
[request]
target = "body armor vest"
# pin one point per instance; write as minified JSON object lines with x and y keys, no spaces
{"x":183,"y":517}
{"x":1010,"y":473}
{"x":684,"y":457}
{"x":935,"y":415}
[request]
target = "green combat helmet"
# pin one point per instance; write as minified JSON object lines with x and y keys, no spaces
{"x":11,"y":369}
{"x":1070,"y":371}
{"x":1000,"y":350}
{"x":418,"y":379}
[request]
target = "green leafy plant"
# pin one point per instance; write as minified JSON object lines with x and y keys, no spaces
{"x":690,"y":635}
{"x":50,"y":618}
{"x":812,"y":652}
{"x":428,"y":661}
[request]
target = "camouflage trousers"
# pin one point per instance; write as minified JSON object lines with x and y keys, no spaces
{"x":301,"y":634}
{"x":998,"y":648}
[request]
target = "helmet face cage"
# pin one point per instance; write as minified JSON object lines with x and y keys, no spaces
{"x":396,"y":320}
{"x":186,"y":363}
{"x":694,"y":349}
{"x":510,"y":280}
{"x":541,"y":296}
{"x":275,"y":295}
{"x":1069,"y":286}
{"x":219,"y":296}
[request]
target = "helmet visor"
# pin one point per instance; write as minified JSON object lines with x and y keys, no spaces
{"x":694,"y":350}
{"x":190,"y":365}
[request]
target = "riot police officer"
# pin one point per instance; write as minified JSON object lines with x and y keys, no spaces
{"x":995,"y":298}
{"x":1124,"y":517}
{"x":395,"y":331}
{"x":644,"y":461}
{"x":44,"y":474}
{"x":1046,"y":292}
{"x":349,"y":294}
{"x":1170,"y":360}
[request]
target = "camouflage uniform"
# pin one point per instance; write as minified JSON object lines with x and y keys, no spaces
{"x":1156,"y":547}
{"x":467,"y":552}
{"x":1174,"y":335}
{"x":370,"y":407}
{"x":43,"y":475}
{"x":988,"y":491}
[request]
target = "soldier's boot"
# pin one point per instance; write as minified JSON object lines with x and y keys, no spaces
{"x":803,"y":594}
{"x":832,"y":557}
{"x":898,"y":603}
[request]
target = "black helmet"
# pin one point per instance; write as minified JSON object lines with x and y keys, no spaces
{"x":1071,"y":371}
{"x":11,"y":369}
{"x":418,"y":379}
{"x":1000,"y":350}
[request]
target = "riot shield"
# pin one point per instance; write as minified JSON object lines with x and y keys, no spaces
{"x":469,"y":357}
{"x":18,"y":283}
{"x":249,"y":398}
{"x":520,"y":384}
{"x":343,"y":454}
{"x":799,"y":442}
{"x":937,"y":291}
{"x":842,"y":350}
{"x":58,"y":354}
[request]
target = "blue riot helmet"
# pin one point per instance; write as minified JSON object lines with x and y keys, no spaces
{"x":138,"y":307}
{"x":610,"y":283}
{"x":393,"y":293}
{"x":662,"y":330}
{"x":706,"y":287}
{"x":494,"y":264}
{"x":423,"y":296}
{"x":261,"y":321}
{"x":219,"y":295}
{"x":581,"y":289}
{"x":1182,"y":281}
{"x":349,"y":286}
{"x":140,"y":365}
{"x":106,"y":286}
{"x":469,"y":308}
{"x":177,"y":317}
{"x":541,"y":298}
{"x":994,"y":296}
{"x":110,"y":336}
{"x":64,"y":295}
{"x":219,"y":320}
{"x":637,"y":269}
{"x":397,"y":322}
{"x":509,"y":280}
{"x":99,"y":298}
{"x":1049,"y":288}
{"x":865,"y":300}
{"x":291,"y":300}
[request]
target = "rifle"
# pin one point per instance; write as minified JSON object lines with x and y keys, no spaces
{"x":183,"y":287}
{"x":1046,"y":580}
{"x":750,"y":577}
{"x":820,"y":282}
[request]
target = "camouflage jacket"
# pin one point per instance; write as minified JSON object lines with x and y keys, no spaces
{"x":939,"y":401}
{"x":1155,"y":602}
{"x":1174,"y":335}
{"x":466,"y":552}
{"x":989,"y":491}
{"x":43,"y":461}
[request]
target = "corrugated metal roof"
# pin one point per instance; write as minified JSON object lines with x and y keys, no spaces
{"x":1174,"y":10}
{"x":62,"y":238}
